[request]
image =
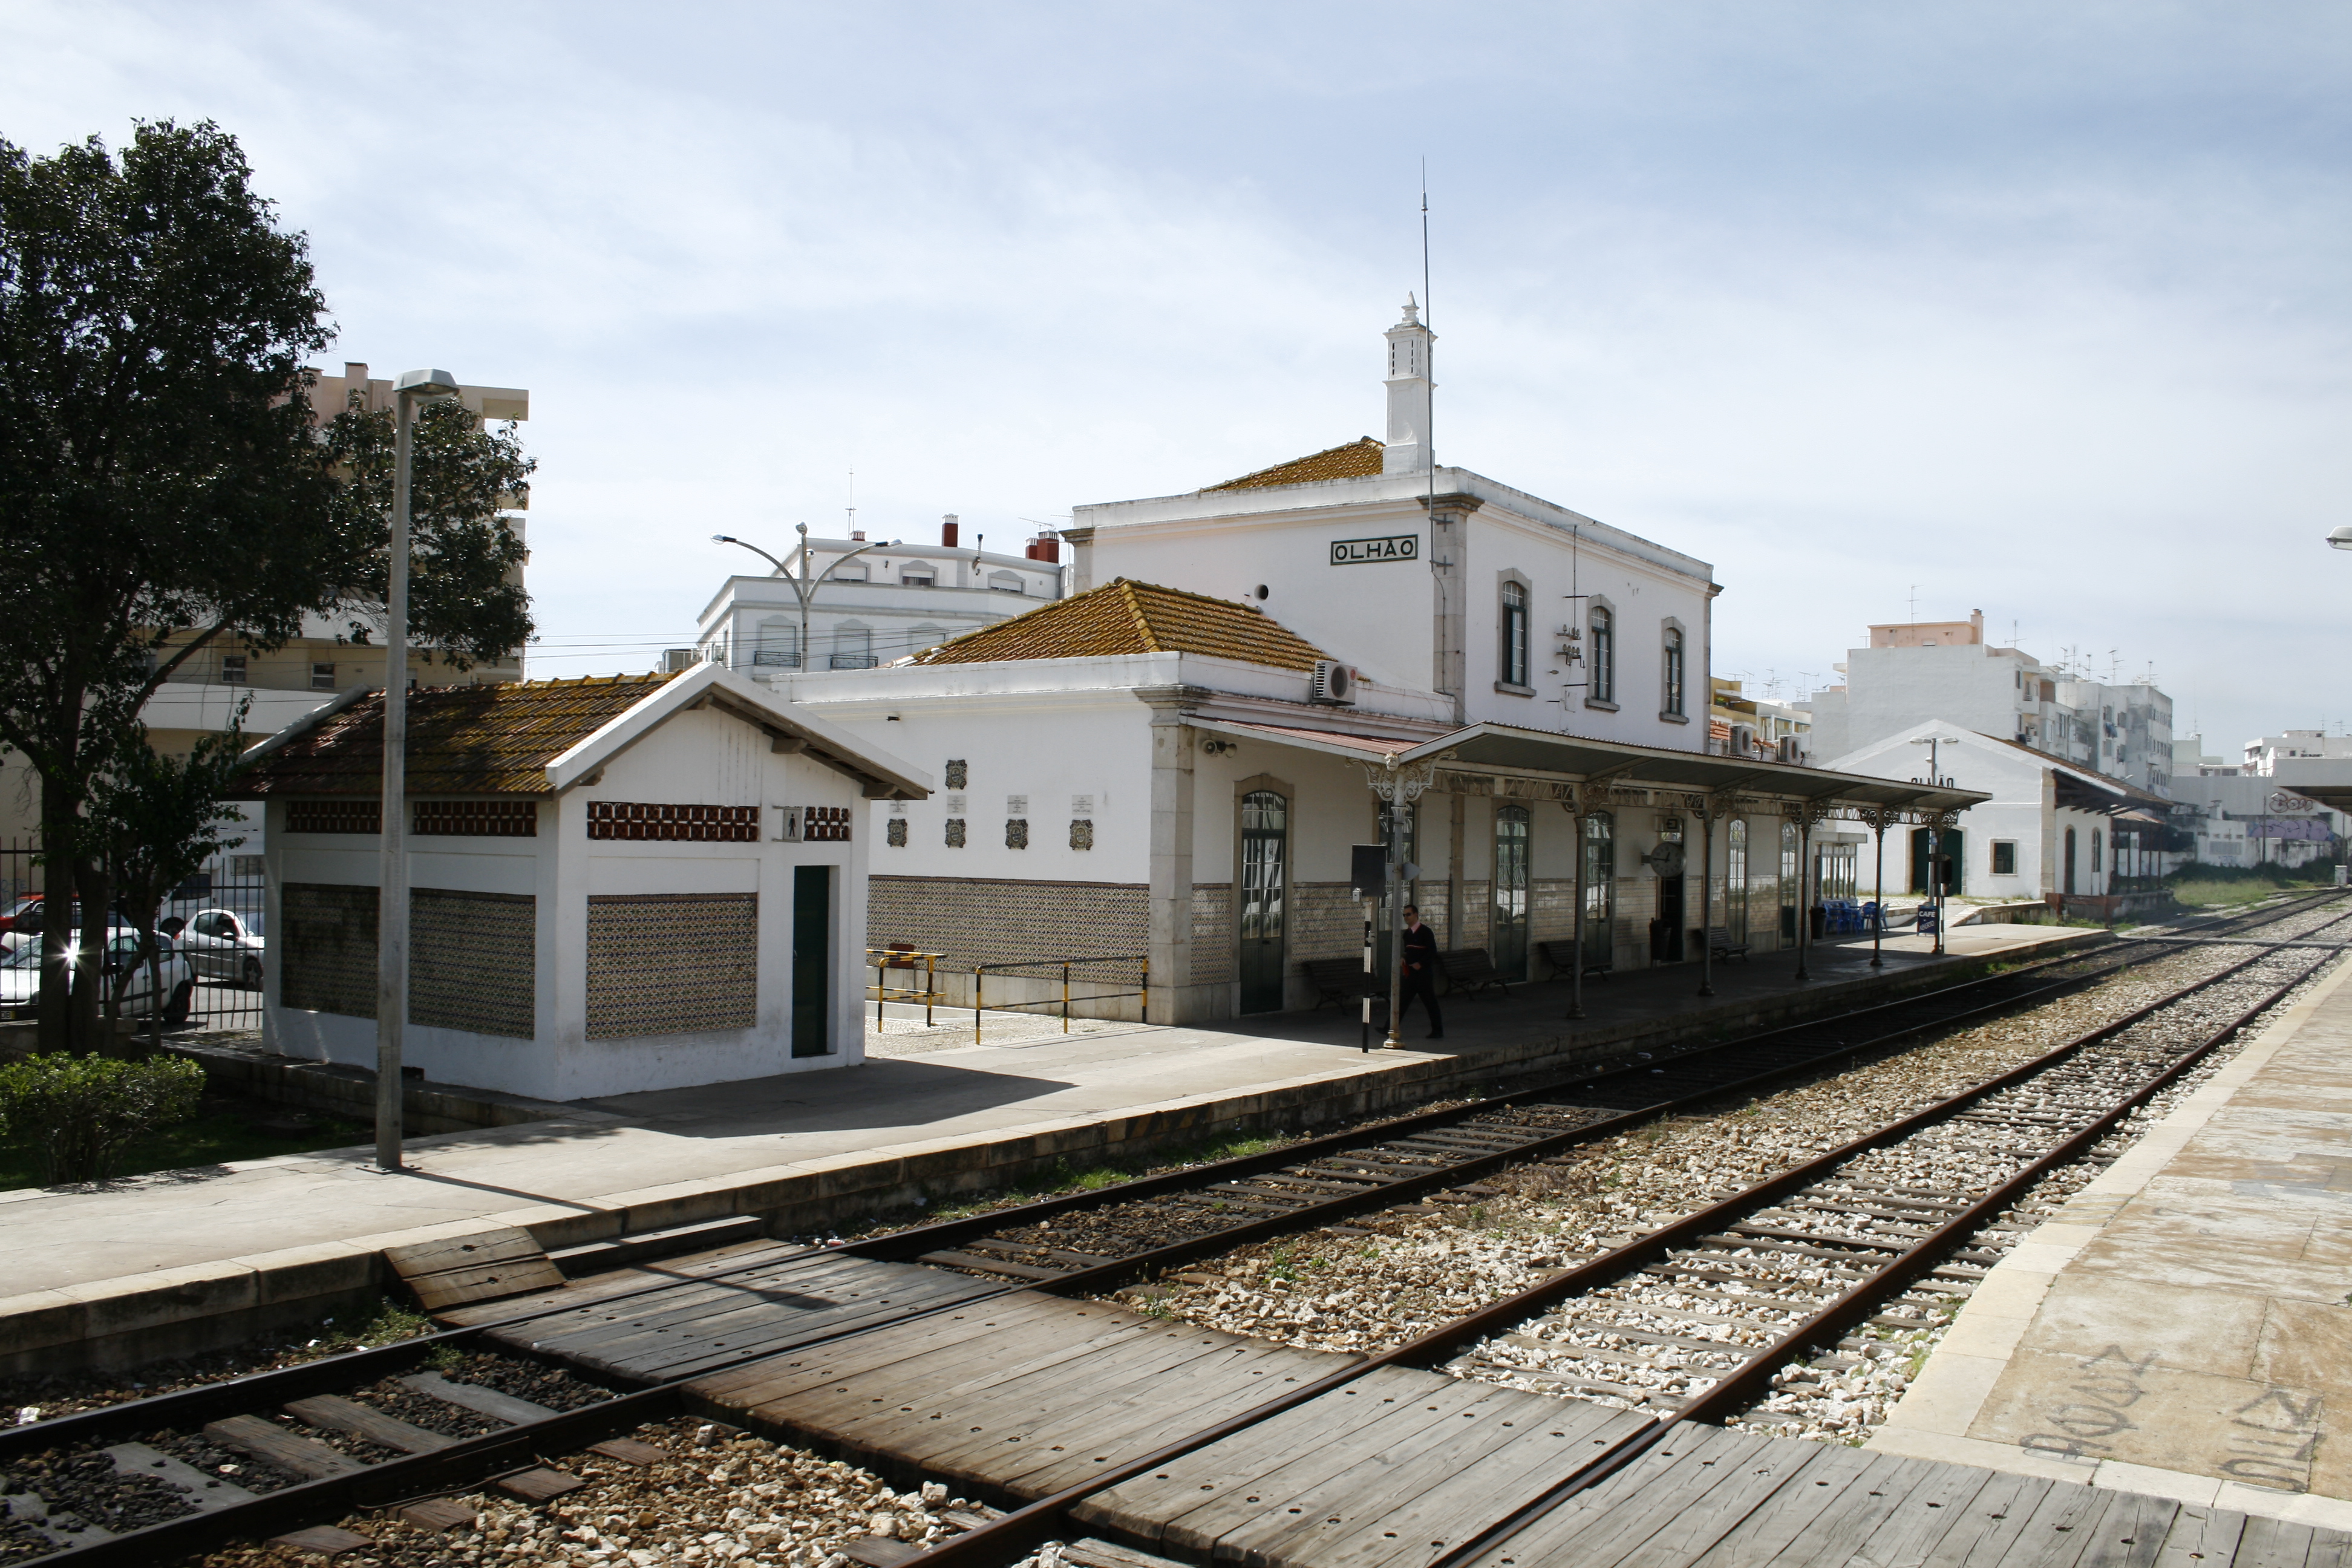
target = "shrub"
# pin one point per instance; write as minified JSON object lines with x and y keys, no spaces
{"x":78,"y":1114}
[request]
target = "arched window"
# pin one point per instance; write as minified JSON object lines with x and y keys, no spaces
{"x":1266,"y":848}
{"x":778,"y":645}
{"x":1006,"y":583}
{"x":1506,"y":940}
{"x":853,"y":646}
{"x":1511,"y":661}
{"x":1672,"y":700}
{"x":1602,"y":656}
{"x":2097,"y":838}
{"x":1600,"y":884}
{"x":1734,"y":878}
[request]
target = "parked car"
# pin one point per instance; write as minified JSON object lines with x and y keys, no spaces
{"x":20,"y":978}
{"x":225,"y":945}
{"x":28,"y":904}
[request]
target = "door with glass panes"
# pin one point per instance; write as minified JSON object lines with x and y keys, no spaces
{"x":1507,"y":936}
{"x":1266,"y":855}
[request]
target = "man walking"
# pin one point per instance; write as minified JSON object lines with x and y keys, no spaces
{"x":1420,"y":960}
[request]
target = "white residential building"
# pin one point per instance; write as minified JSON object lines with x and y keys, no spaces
{"x":870,"y":603}
{"x":1945,"y":670}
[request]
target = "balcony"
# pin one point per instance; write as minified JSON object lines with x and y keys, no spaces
{"x":853,"y":662}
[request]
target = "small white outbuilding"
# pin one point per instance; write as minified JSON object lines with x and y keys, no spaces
{"x":623,"y":884}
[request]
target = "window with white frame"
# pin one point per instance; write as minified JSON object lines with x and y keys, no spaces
{"x":1671,"y":697}
{"x":1511,"y":657}
{"x":323,"y":677}
{"x":233,"y":669}
{"x":1600,"y":656}
{"x":853,"y":646}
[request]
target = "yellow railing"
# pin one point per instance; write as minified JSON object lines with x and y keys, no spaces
{"x":979,"y":971}
{"x":886,"y":959}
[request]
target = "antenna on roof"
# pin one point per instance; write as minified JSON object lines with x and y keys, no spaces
{"x":1427,"y":319}
{"x":853,"y":503}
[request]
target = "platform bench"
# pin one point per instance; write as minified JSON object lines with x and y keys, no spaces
{"x":1469,"y":971}
{"x":1341,"y":980}
{"x":1720,"y":945}
{"x":1561,"y":958}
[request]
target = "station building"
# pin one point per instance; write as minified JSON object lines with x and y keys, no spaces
{"x":615,"y":885}
{"x":1175,"y":760}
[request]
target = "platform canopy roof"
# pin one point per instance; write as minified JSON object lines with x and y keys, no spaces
{"x":1541,"y":755}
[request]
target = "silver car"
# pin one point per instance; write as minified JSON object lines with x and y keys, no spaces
{"x":225,"y":945}
{"x":20,"y":978}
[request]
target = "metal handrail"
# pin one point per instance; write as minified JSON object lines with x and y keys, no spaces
{"x":1143,"y":985}
{"x":887,"y":958}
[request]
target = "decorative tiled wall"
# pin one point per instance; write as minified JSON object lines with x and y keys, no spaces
{"x":1324,"y":921}
{"x":333,"y":817}
{"x":987,"y":920}
{"x":473,"y":959}
{"x":1553,"y":914}
{"x":472,"y":956}
{"x":477,"y":818}
{"x":637,"y":819}
{"x":327,"y":936}
{"x":1213,"y":934}
{"x":666,"y":964}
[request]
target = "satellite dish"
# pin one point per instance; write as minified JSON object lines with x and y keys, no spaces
{"x":1666,"y":859}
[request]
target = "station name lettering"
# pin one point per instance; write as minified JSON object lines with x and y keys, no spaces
{"x":1356,"y":552}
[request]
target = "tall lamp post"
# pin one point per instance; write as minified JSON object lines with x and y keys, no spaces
{"x":1935,"y":831}
{"x":391,"y":896}
{"x":804,"y":586}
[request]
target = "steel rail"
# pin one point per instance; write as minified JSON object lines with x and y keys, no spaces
{"x":1024,"y":1528}
{"x":1749,"y":1382}
{"x":475,"y":1459}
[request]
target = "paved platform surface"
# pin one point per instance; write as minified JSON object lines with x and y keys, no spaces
{"x":228,"y":1237}
{"x":2181,"y":1328}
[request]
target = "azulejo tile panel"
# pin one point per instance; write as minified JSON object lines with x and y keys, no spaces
{"x":987,"y":920}
{"x":477,"y":818}
{"x":473,"y":962}
{"x":333,"y":817}
{"x":637,"y":819}
{"x":671,"y":964}
{"x":1213,"y":934}
{"x":329,"y":941}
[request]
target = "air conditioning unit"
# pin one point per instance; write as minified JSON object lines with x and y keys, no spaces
{"x":1743,"y":740}
{"x":678,"y":661}
{"x":1792,"y":749}
{"x":1334,"y":683}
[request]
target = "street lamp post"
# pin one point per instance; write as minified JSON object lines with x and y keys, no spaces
{"x":804,"y":586}
{"x":1935,"y":830}
{"x":391,"y":895}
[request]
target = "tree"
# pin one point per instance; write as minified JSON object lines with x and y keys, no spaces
{"x":157,"y":820}
{"x":163,"y":483}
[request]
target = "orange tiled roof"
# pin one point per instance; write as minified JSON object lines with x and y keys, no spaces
{"x":495,"y":739}
{"x":1122,"y":617}
{"x":1352,"y":461}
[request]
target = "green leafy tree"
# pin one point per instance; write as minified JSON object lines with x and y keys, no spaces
{"x":78,"y":1114}
{"x":158,"y":820}
{"x":163,"y":483}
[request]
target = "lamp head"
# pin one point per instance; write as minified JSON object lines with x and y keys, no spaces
{"x":2341,"y":537}
{"x":426,"y":383}
{"x":724,"y":539}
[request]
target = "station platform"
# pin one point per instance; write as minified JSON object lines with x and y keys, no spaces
{"x":185,"y":1260}
{"x":2181,"y":1328}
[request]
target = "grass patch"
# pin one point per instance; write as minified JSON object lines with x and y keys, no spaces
{"x":220,"y":1132}
{"x":1062,"y":1177}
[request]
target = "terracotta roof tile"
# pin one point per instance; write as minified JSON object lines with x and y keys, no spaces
{"x":1122,"y":617}
{"x":494,"y":739}
{"x":1352,"y":461}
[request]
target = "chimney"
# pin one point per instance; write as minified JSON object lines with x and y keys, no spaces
{"x":856,"y":536}
{"x":948,"y":530}
{"x":1408,"y":449}
{"x":1045,"y":547}
{"x":1976,"y":625}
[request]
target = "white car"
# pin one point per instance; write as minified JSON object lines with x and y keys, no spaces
{"x":225,"y":945}
{"x":20,"y":978}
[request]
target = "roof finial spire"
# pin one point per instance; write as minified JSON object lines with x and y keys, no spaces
{"x":1411,"y":310}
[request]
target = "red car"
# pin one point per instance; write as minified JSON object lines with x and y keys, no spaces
{"x":24,"y":906}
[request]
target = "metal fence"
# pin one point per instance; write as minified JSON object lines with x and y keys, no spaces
{"x":214,"y":921}
{"x":1086,"y":974}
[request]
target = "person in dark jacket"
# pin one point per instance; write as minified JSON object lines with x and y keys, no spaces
{"x":1420,"y":960}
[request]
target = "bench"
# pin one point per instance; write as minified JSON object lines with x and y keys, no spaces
{"x":1469,"y":971}
{"x":1720,"y":945}
{"x":1341,"y":980}
{"x":1561,"y":957}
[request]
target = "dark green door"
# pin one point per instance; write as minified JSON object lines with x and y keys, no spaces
{"x":1265,"y":853}
{"x":812,"y":961}
{"x":1507,"y":938}
{"x":1922,"y":874}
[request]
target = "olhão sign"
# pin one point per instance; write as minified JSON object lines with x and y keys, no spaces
{"x":1356,"y":551}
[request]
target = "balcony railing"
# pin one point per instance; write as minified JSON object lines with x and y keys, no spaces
{"x":853,"y":662}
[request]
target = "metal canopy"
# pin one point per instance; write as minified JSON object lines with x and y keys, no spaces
{"x":1537,"y":753}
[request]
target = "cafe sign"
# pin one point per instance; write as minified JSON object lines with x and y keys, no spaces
{"x":1356,"y":551}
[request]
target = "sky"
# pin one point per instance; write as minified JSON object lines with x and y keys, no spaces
{"x":2036,"y":308}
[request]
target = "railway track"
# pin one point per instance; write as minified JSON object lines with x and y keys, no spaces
{"x":433,"y":1414}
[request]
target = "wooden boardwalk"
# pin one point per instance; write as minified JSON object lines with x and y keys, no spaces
{"x":1016,"y":1395}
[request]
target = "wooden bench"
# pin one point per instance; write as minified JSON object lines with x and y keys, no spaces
{"x":1341,"y":980}
{"x":1720,"y":945}
{"x":1469,"y":971}
{"x":1561,"y":957}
